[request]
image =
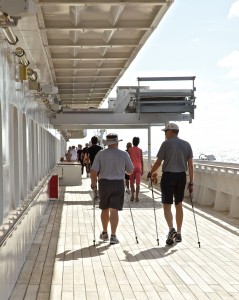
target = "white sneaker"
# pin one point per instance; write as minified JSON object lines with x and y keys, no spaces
{"x":104,"y":236}
{"x":113,"y":240}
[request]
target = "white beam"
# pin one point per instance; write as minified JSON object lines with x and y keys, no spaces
{"x":114,"y":120}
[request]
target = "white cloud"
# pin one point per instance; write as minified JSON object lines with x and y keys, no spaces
{"x":230,"y":61}
{"x":234,"y":10}
{"x":196,"y":40}
{"x":233,"y":74}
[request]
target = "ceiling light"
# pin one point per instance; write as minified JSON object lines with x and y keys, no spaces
{"x":32,"y":75}
{"x":19,"y":52}
{"x":11,"y":37}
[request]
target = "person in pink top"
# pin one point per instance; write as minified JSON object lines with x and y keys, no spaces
{"x":136,"y":156}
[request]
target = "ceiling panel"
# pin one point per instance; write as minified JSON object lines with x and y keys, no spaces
{"x":84,"y":47}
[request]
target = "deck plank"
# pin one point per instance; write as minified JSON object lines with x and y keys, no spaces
{"x":64,"y":264}
{"x":19,"y":291}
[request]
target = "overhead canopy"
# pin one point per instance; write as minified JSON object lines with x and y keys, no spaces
{"x":80,"y":49}
{"x":84,"y":47}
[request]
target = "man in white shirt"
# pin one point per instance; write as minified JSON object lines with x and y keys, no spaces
{"x":73,"y":153}
{"x":110,"y":165}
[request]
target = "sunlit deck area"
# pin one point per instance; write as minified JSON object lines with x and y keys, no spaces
{"x":63,"y":262}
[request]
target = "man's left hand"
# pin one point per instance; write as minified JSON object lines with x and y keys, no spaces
{"x":190,"y":187}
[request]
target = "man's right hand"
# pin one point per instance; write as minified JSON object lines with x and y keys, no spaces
{"x":93,"y":187}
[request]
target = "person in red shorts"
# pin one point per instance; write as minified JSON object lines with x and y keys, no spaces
{"x":127,"y":177}
{"x":136,"y":156}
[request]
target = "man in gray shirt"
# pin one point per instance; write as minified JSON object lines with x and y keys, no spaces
{"x":110,"y":165}
{"x":177,"y":157}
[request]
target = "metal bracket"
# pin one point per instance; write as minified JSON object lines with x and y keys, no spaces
{"x":7,"y":21}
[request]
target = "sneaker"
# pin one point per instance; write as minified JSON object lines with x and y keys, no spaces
{"x":127,"y":191}
{"x":113,"y":240}
{"x":170,"y":237}
{"x":137,"y":200}
{"x":132,"y":199}
{"x":178,"y":238}
{"x":104,"y":236}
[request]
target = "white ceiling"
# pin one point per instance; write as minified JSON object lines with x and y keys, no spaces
{"x":84,"y":47}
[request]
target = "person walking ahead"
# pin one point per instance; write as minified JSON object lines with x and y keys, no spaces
{"x":177,"y":157}
{"x":86,"y":161}
{"x":111,"y":164}
{"x":136,"y":156}
{"x":127,"y":177}
{"x":79,"y":157}
{"x":92,"y":151}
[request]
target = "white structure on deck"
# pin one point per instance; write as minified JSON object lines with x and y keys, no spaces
{"x":136,"y":106}
{"x":216,"y":184}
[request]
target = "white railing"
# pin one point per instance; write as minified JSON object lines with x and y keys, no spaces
{"x":215,"y":184}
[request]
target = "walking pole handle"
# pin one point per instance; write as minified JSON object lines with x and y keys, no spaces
{"x":190,"y":187}
{"x":149,"y":178}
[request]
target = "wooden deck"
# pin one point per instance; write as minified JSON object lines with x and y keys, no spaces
{"x":63,"y":262}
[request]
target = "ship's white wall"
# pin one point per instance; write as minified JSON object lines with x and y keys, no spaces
{"x":29,"y":150}
{"x":30,"y":147}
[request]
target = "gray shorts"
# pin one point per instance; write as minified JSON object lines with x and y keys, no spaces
{"x":111,"y":194}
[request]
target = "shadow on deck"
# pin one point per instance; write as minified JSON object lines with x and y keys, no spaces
{"x":63,"y":262}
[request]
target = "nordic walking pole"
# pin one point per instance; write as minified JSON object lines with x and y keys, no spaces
{"x":154,"y":210}
{"x":93,"y":198}
{"x":190,"y":192}
{"x":132,"y":219}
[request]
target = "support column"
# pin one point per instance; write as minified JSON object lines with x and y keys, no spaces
{"x":149,"y":147}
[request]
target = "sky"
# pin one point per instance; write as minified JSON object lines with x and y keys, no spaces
{"x":195,"y":38}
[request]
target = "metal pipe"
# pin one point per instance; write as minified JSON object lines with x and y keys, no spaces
{"x":11,"y":37}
